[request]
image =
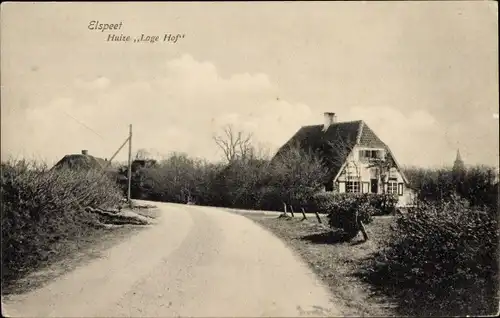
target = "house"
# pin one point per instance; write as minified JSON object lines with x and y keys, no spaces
{"x":358,"y":161}
{"x":87,"y":162}
{"x":81,"y":161}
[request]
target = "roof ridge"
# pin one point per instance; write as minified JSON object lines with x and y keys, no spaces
{"x":348,"y":122}
{"x":337,"y":123}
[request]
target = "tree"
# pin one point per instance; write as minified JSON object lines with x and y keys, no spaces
{"x":234,"y":144}
{"x":295,"y":176}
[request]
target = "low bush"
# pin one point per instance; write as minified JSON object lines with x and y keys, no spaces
{"x":384,"y":204}
{"x":42,"y":207}
{"x":321,"y":202}
{"x":441,"y":259}
{"x":345,"y":210}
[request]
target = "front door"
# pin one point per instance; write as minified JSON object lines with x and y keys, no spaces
{"x":374,"y":185}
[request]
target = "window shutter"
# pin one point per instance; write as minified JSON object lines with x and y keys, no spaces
{"x":400,"y":188}
{"x":341,"y":187}
{"x":366,"y":187}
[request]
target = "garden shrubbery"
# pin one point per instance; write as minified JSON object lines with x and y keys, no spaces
{"x":345,"y":210}
{"x":478,"y":184}
{"x":42,"y":207}
{"x":441,"y":259}
{"x":382,"y":204}
{"x":442,"y":255}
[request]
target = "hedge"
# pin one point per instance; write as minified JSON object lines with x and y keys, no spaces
{"x":42,"y":208}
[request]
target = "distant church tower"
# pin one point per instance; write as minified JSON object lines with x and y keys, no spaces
{"x":458,"y":165}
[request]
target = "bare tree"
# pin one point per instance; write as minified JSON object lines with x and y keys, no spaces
{"x":234,"y":144}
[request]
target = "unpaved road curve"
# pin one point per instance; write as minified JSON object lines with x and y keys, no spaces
{"x":196,"y":261}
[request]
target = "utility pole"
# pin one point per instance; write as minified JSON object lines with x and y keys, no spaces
{"x":129,"y":165}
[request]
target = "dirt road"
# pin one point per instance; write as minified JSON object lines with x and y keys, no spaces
{"x":195,"y":262}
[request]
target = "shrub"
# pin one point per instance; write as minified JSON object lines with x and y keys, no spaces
{"x":324,"y":202}
{"x":347,"y":210}
{"x":270,"y":199}
{"x":344,"y":210}
{"x":445,"y":256}
{"x":321,"y":202}
{"x":383,"y":204}
{"x":478,"y":184}
{"x":42,"y":207}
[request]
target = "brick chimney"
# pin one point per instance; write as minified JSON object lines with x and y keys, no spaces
{"x":85,"y":152}
{"x":330,"y":119}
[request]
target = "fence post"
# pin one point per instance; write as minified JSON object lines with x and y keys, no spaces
{"x":282,"y":215}
{"x":317,"y":216}
{"x":304,"y":217}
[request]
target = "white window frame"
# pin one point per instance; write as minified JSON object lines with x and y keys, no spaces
{"x":392,"y":187}
{"x":353,"y":185}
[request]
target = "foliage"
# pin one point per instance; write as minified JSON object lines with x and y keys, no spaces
{"x":178,"y":179}
{"x":445,"y":256}
{"x":244,"y":182}
{"x":478,"y":184}
{"x":324,"y":202}
{"x":41,"y":207}
{"x":345,"y":210}
{"x":383,"y":204}
{"x":295,"y":177}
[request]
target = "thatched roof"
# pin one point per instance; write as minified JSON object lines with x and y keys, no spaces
{"x":81,"y":161}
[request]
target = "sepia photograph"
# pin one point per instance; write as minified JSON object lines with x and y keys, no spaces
{"x":250,"y":159}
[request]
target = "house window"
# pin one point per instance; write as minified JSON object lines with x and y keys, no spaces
{"x":353,"y":186}
{"x":370,"y":154}
{"x":392,"y":187}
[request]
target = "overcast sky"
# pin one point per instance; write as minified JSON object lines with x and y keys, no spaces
{"x":422,"y":75}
